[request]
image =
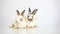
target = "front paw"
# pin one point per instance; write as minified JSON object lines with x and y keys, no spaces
{"x":31,"y":26}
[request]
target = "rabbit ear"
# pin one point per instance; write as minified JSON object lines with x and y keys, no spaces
{"x":17,"y":12}
{"x":29,"y":10}
{"x":34,"y":11}
{"x":23,"y":12}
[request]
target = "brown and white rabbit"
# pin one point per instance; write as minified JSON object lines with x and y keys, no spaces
{"x":19,"y":22}
{"x":30,"y":21}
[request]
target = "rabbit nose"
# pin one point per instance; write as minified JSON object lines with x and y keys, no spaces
{"x":30,"y":20}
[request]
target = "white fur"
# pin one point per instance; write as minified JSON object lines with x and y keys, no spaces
{"x":20,"y":24}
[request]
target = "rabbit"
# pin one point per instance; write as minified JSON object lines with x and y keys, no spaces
{"x":30,"y":20}
{"x":19,"y":22}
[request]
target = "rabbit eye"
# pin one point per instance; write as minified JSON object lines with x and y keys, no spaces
{"x":28,"y":17}
{"x":21,"y":19}
{"x":16,"y":21}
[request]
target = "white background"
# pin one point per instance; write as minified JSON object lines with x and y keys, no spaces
{"x":47,"y":14}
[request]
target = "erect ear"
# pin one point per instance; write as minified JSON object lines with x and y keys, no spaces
{"x":22,"y":12}
{"x":29,"y":10}
{"x":17,"y":12}
{"x":34,"y":11}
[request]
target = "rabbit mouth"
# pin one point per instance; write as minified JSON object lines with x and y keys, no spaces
{"x":30,"y":19}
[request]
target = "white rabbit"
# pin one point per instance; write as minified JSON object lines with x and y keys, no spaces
{"x":30,"y":20}
{"x":19,"y":22}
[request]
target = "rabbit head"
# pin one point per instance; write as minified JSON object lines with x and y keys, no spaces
{"x":31,"y":14}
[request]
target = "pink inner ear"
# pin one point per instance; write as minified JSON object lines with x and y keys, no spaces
{"x":29,"y":10}
{"x":22,"y":12}
{"x":17,"y":12}
{"x":34,"y":11}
